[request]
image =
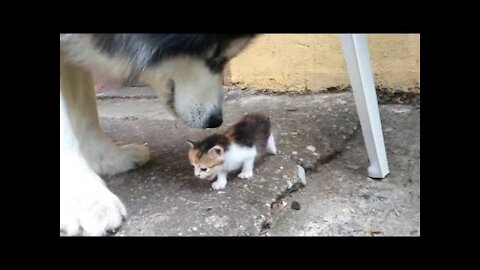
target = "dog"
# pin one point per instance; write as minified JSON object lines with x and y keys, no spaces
{"x":185,"y":71}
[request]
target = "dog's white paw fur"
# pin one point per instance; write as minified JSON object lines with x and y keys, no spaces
{"x":87,"y":206}
{"x":118,"y":159}
{"x":245,"y":175}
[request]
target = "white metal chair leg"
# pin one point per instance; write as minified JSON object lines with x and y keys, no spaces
{"x":355,"y":48}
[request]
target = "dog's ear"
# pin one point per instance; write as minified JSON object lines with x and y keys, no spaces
{"x":191,"y":143}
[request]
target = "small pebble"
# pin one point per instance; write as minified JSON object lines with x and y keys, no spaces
{"x":401,"y":110}
{"x":311,"y":148}
{"x":353,"y":167}
{"x":289,"y":184}
{"x":296,"y":205}
{"x":301,"y":174}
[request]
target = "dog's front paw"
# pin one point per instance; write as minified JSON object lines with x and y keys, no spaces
{"x":88,"y":208}
{"x":245,"y":175}
{"x":137,"y":154}
{"x":120,"y":159}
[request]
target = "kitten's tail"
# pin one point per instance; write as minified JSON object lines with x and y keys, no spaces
{"x":263,"y":130}
{"x":264,"y":121}
{"x":271,"y":148}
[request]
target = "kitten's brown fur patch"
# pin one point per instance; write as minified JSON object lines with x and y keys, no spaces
{"x":250,"y":129}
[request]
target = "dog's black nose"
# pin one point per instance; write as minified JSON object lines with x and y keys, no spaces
{"x":215,"y":120}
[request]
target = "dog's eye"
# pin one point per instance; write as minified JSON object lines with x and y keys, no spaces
{"x":216,"y":64}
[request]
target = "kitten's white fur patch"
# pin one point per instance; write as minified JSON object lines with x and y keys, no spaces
{"x":237,"y":155}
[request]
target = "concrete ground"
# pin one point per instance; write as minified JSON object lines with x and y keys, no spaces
{"x":320,"y":132}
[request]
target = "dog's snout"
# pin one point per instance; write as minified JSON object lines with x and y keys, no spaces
{"x":215,"y":120}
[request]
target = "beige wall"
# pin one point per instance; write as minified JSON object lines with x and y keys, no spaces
{"x":295,"y":62}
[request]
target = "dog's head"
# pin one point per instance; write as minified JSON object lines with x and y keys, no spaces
{"x":185,"y":70}
{"x":190,"y":90}
{"x":186,"y":73}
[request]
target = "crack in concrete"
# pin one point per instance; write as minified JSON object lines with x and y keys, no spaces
{"x":328,"y":158}
{"x":277,"y":205}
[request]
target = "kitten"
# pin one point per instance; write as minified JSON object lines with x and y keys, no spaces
{"x":219,"y":154}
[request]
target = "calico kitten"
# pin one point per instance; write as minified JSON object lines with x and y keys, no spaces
{"x":219,"y":154}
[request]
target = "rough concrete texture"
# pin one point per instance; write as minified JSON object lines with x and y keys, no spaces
{"x":339,"y":200}
{"x":319,"y":132}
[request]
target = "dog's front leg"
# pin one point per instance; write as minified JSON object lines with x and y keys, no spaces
{"x":103,"y":156}
{"x":87,"y":207}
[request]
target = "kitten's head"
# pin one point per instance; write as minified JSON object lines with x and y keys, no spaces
{"x":207,"y":156}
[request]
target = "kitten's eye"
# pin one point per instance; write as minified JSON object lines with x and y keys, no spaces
{"x":203,"y":169}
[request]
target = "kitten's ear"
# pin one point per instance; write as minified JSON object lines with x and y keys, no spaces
{"x":191,"y":143}
{"x":216,"y":151}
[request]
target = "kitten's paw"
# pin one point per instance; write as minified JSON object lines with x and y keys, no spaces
{"x":217,"y":185}
{"x":245,"y":175}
